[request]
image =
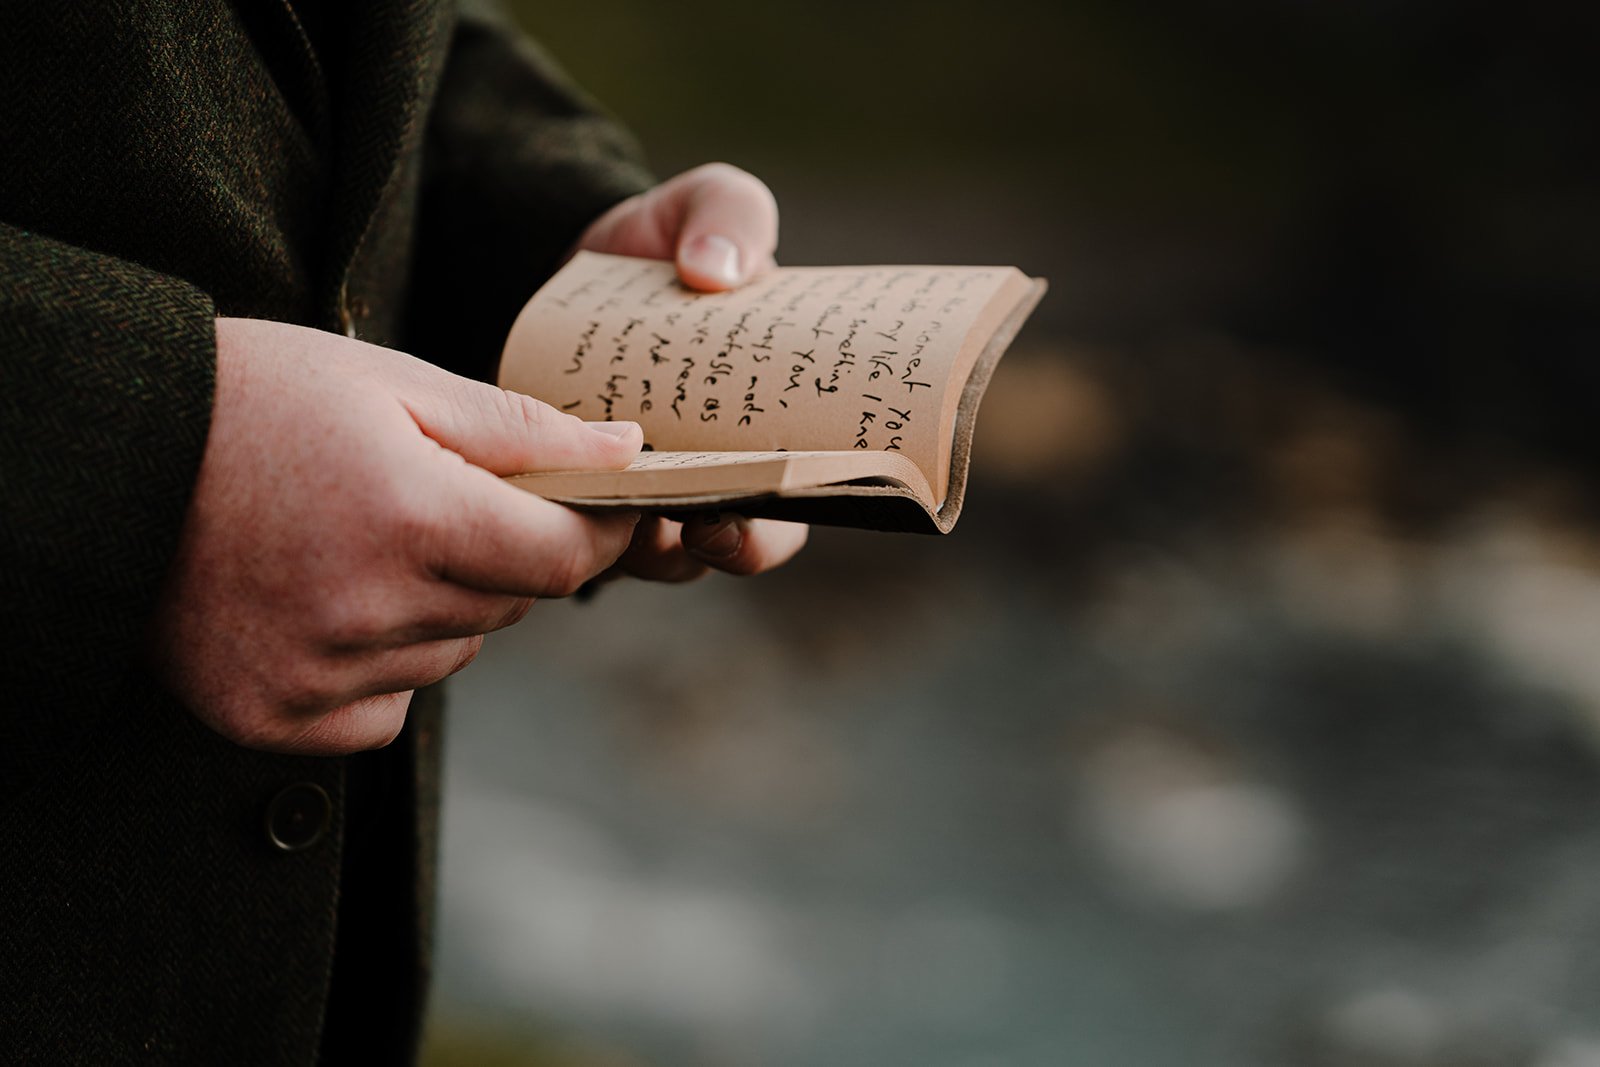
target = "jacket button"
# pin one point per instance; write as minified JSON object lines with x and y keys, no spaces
{"x":298,"y":817}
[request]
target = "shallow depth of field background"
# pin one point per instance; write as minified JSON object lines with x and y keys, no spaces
{"x":1252,"y":714}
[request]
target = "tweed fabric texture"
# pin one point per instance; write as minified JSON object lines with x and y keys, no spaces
{"x":167,"y":161}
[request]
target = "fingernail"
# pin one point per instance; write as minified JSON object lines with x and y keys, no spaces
{"x":613,"y":429}
{"x":714,"y":256}
{"x":723,"y":542}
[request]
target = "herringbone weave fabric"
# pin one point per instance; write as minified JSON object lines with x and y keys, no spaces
{"x":166,"y":161}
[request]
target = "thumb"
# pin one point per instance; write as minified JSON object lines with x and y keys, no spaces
{"x":729,"y":226}
{"x":511,"y":433}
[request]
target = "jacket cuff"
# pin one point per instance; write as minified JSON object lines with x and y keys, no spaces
{"x":110,"y":369}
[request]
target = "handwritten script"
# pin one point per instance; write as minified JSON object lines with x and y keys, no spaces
{"x":804,"y":358}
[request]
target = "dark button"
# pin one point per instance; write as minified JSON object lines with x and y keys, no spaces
{"x":298,"y":817}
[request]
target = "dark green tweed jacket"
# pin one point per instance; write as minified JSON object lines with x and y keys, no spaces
{"x":163,"y":162}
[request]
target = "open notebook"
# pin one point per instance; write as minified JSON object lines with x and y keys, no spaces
{"x":836,"y":395}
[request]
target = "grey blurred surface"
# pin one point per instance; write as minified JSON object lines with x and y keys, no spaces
{"x":1324,"y":800}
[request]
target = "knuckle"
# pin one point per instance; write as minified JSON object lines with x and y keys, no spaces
{"x":568,"y":571}
{"x":468,"y":652}
{"x":302,"y":710}
{"x":529,"y":411}
{"x":344,"y":622}
{"x":587,"y":547}
{"x":585,"y":555}
{"x":516,"y":614}
{"x":308,"y":690}
{"x":275,"y":724}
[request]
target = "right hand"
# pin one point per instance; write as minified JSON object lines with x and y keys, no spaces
{"x":348,"y":539}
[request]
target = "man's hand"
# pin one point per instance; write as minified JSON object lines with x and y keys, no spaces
{"x":348,"y":539}
{"x":720,"y":225}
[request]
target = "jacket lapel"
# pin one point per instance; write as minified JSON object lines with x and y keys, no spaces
{"x":396,"y":54}
{"x":284,"y":47}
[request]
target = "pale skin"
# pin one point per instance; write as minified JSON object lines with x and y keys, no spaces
{"x":349,"y":539}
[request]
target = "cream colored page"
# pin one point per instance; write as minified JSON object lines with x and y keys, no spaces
{"x":896,"y":469}
{"x":806,"y":358}
{"x":656,"y":461}
{"x":778,"y":469}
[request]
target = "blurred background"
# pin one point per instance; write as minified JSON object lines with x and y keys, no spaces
{"x":1252,"y":714}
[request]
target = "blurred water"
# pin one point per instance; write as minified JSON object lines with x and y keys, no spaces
{"x":1284,"y":800}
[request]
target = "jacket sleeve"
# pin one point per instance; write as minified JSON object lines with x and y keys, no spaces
{"x":106,"y":377}
{"x":517,"y":162}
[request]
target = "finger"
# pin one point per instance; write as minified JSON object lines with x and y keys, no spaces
{"x":509,"y":433}
{"x":656,"y":553}
{"x":738,"y":545}
{"x":499,"y":539}
{"x":364,"y":723}
{"x":718,"y":222}
{"x":729,"y":228}
{"x":455,"y":611}
{"x":414,"y":666}
{"x":374,"y":672}
{"x":381,"y":685}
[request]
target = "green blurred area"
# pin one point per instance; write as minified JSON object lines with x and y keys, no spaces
{"x":1242,"y":108}
{"x":1125,"y":105}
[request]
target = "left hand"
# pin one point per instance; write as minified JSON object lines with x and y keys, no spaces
{"x":719,"y":224}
